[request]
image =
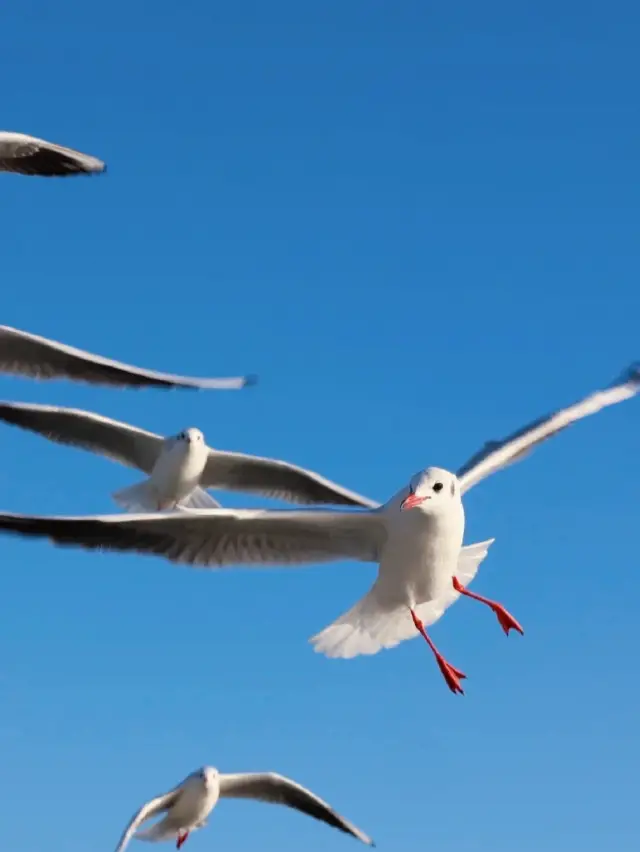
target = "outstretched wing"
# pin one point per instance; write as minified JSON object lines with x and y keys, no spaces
{"x":148,"y":810}
{"x":499,"y":454}
{"x":218,"y":537}
{"x":278,"y":479}
{"x":278,"y":790}
{"x":28,"y":155}
{"x":24,"y":354}
{"x":126,"y":444}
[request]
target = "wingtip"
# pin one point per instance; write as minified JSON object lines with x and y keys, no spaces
{"x":631,"y":375}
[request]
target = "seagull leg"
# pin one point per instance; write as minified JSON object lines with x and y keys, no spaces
{"x":181,"y":839}
{"x":507,"y":621}
{"x":451,"y":674}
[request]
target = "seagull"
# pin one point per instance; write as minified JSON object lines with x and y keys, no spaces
{"x":28,"y":155}
{"x":178,"y":467}
{"x":416,"y":539}
{"x":188,"y":805}
{"x":24,"y":354}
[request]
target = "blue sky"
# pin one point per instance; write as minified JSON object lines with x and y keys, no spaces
{"x":418,"y":223}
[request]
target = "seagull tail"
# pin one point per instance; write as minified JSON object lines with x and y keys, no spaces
{"x":366,"y":628}
{"x":165,"y":829}
{"x":372,"y":624}
{"x":199,"y":499}
{"x":138,"y":498}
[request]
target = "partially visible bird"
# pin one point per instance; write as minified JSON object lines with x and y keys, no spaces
{"x":188,"y":805}
{"x":28,"y":155}
{"x":35,"y":357}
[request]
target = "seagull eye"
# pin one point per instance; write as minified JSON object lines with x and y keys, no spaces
{"x":438,"y":487}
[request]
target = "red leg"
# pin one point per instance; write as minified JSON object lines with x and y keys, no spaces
{"x":181,"y":839}
{"x":507,"y":621}
{"x":451,"y":674}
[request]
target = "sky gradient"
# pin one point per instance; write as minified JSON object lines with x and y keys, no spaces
{"x":419,"y":225}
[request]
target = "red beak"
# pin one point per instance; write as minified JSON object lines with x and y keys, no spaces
{"x":412,"y":501}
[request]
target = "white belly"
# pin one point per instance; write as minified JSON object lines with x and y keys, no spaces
{"x":420,"y":557}
{"x":194,"y":806}
{"x":178,"y":470}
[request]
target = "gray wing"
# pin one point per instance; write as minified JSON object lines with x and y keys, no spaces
{"x":218,"y":537}
{"x":278,"y":790}
{"x":24,"y":354}
{"x":273,"y":478}
{"x":119,"y":441}
{"x":28,"y":155}
{"x":499,"y":454}
{"x":148,"y":810}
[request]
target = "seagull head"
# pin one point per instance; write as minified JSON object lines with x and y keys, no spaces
{"x":190,"y":436}
{"x":208,"y":775}
{"x":431,"y":489}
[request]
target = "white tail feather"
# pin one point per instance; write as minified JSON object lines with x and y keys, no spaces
{"x":199,"y":499}
{"x":138,"y":498}
{"x":370,"y":625}
{"x":162,"y":830}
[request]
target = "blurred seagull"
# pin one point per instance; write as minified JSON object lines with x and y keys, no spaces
{"x":188,"y":805}
{"x":178,"y":467}
{"x":416,"y":539}
{"x":24,"y":354}
{"x":28,"y":155}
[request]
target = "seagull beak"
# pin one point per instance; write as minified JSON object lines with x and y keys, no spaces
{"x":412,"y":501}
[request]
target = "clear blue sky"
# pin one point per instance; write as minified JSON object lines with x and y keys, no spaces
{"x":418,"y":223}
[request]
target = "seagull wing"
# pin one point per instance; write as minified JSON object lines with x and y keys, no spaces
{"x":278,"y":479}
{"x":28,"y":155}
{"x":278,"y":790}
{"x":24,"y":354}
{"x":499,"y":454}
{"x":119,"y":441}
{"x":148,"y":810}
{"x":218,"y":537}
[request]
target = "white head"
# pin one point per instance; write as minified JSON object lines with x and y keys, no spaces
{"x":209,"y":776}
{"x":431,"y":490}
{"x":189,"y":436}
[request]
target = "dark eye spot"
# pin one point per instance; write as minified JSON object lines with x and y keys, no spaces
{"x":438,"y":487}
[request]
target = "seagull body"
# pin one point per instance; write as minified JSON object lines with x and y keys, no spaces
{"x":178,"y":467}
{"x":29,"y":355}
{"x":415,"y":538}
{"x":174,"y":479}
{"x":28,"y":155}
{"x":188,"y":805}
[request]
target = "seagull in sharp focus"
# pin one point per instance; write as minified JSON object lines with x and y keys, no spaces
{"x":188,"y":805}
{"x":416,"y":539}
{"x":178,"y":467}
{"x":35,"y":357}
{"x":28,"y":155}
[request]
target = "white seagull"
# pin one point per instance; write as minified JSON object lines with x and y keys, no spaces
{"x":178,"y":467}
{"x":188,"y":805}
{"x":25,"y":354}
{"x":416,"y":539}
{"x":28,"y":155}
